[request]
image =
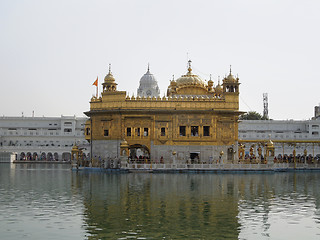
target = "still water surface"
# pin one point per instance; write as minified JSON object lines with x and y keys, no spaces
{"x":51,"y":202}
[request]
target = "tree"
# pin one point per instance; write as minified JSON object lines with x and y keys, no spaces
{"x":252,"y":115}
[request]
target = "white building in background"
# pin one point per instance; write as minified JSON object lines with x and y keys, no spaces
{"x":279,"y":129}
{"x":305,"y":130}
{"x":316,"y":112}
{"x":42,"y":138}
{"x":148,"y":86}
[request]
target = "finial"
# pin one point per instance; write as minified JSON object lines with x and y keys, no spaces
{"x":230,"y":69}
{"x":109,"y":68}
{"x":218,"y":80}
{"x":173,"y":77}
{"x":189,"y":66}
{"x":148,"y":67}
{"x":210,"y":77}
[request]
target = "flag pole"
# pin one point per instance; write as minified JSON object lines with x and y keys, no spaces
{"x":97,"y":87}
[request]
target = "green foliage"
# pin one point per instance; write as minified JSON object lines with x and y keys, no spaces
{"x":252,"y":115}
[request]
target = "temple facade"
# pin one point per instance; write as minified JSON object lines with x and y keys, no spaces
{"x":197,"y":122}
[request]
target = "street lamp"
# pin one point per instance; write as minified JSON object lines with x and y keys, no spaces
{"x":221,"y":154}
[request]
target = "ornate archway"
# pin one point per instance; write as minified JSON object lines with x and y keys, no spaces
{"x":138,"y":152}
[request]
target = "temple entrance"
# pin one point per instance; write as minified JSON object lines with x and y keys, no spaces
{"x":230,"y":154}
{"x":195,"y":157}
{"x":139,"y":153}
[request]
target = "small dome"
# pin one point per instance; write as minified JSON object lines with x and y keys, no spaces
{"x":75,"y":148}
{"x":231,"y":78}
{"x":109,"y":77}
{"x":270,"y":143}
{"x":219,"y":88}
{"x":124,"y":143}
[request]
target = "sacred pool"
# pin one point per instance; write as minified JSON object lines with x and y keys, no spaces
{"x":49,"y":201}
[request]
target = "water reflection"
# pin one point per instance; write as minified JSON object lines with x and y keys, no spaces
{"x":158,"y":206}
{"x":200,"y":206}
{"x":51,"y":202}
{"x":36,"y":203}
{"x":285,"y":205}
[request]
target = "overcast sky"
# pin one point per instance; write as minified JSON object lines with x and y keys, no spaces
{"x":52,"y":51}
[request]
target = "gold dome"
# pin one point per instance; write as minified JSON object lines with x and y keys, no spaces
{"x":124,"y":143}
{"x":189,"y":78}
{"x":75,"y":148}
{"x":219,"y":88}
{"x":109,"y":77}
{"x":173,"y":83}
{"x":230,"y":78}
{"x":270,"y":143}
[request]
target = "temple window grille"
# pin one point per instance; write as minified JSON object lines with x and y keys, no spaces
{"x":194,"y":131}
{"x":145,"y":132}
{"x":138,"y":132}
{"x":106,"y":132}
{"x":163,"y":131}
{"x":182,"y":131}
{"x":206,"y":131}
{"x":128,"y":132}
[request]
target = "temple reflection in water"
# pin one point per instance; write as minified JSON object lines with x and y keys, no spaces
{"x":205,"y":206}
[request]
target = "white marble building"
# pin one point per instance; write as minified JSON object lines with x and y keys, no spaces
{"x":302,"y":130}
{"x":42,"y":138}
{"x":148,"y":86}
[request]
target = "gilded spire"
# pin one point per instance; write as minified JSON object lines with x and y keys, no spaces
{"x":109,"y":77}
{"x":230,"y":77}
{"x":189,"y":66}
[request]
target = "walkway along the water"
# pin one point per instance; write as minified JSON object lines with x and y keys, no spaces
{"x":229,"y":167}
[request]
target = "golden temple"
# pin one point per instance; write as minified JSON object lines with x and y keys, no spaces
{"x":196,"y":122}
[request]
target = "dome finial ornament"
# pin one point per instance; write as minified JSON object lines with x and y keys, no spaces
{"x":189,"y":66}
{"x":230,"y":77}
{"x":109,"y":84}
{"x":148,"y":67}
{"x":109,"y":68}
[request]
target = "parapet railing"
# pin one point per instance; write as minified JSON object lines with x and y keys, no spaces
{"x":229,"y":166}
